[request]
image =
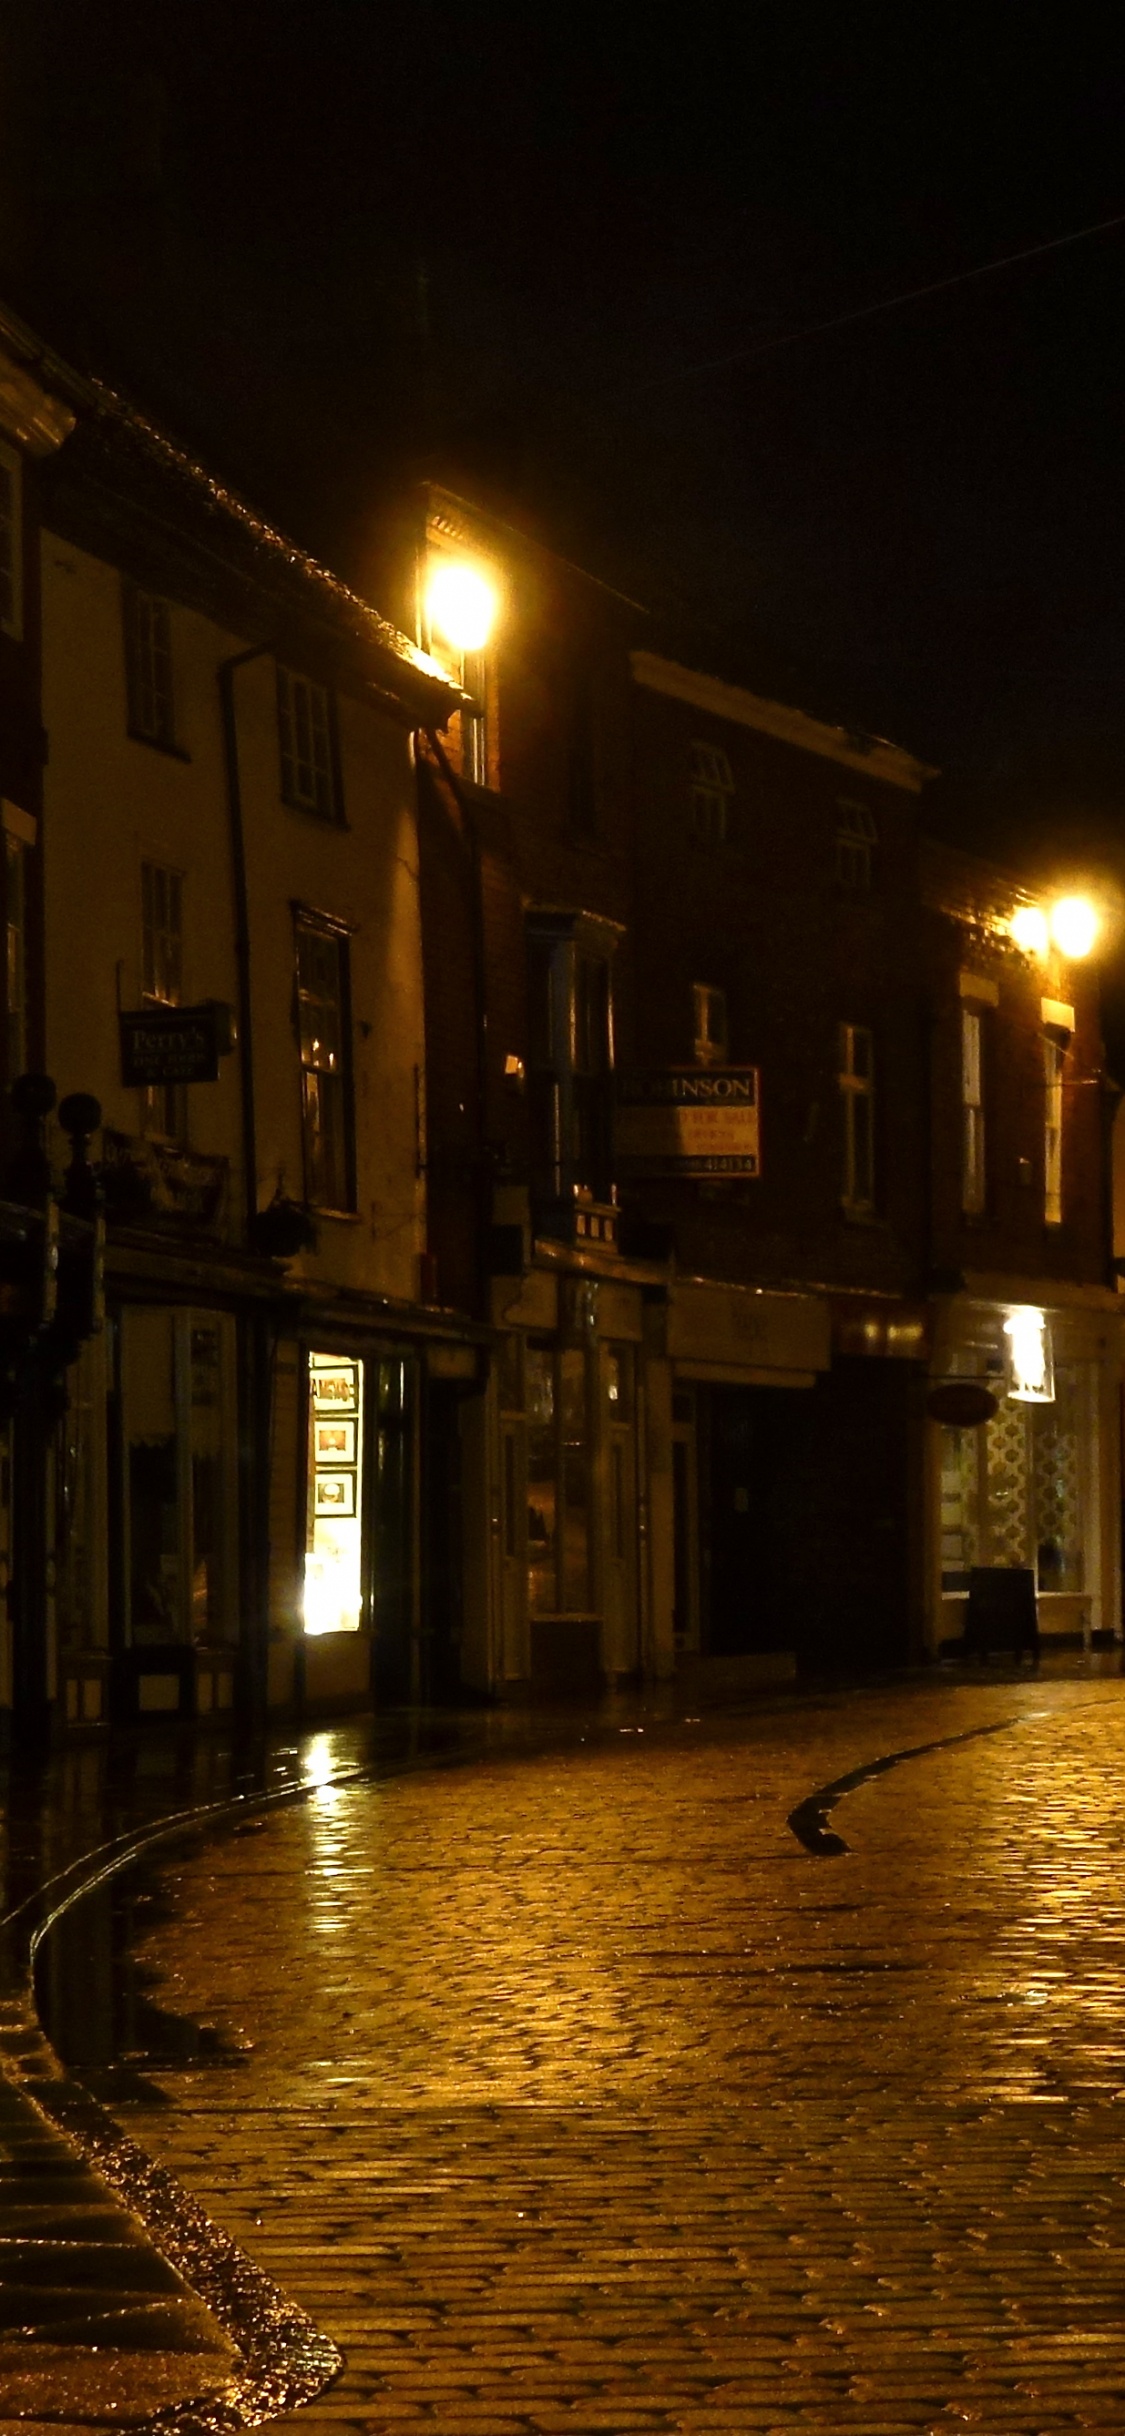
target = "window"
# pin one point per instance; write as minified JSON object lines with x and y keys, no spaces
{"x":323,"y":1031}
{"x":710,"y":1012}
{"x":309,"y":774}
{"x":333,"y":1594}
{"x":474,"y":720}
{"x":857,"y":1090}
{"x":558,"y":1480}
{"x":163,"y":1105}
{"x":1054,"y":1058}
{"x":857,"y":835}
{"x":972,"y":1111}
{"x":571,"y":1061}
{"x":15,"y":923}
{"x":1012,"y":1493}
{"x":148,"y":665}
{"x":11,"y":567}
{"x":712,"y":787}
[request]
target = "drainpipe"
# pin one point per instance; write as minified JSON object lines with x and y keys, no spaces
{"x":257,"y":1363}
{"x":227,"y":669}
{"x":483,"y":1176}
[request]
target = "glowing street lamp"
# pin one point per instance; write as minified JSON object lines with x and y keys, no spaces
{"x":460,"y":603}
{"x":1074,"y":926}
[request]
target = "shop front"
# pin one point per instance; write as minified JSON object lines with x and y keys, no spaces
{"x":1036,"y":1482}
{"x":570,"y":1414}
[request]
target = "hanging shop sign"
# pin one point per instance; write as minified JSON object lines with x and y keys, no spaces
{"x":962,"y":1403}
{"x":171,"y":1044}
{"x":689,"y":1121}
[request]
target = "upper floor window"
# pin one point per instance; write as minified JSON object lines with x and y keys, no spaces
{"x":857,"y":1094}
{"x":163,"y":1105}
{"x":324,"y":1040}
{"x":972,"y":1111}
{"x":712,"y":788}
{"x":857,"y":835}
{"x":1054,"y":1059}
{"x":148,"y":665}
{"x":11,"y":559}
{"x":571,"y":1057}
{"x":710,"y":1012}
{"x":310,"y":777}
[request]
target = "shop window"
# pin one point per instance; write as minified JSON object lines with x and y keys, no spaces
{"x":1011,"y":1492}
{"x":571,"y":1060}
{"x":709,"y":1008}
{"x":11,"y":570}
{"x":310,"y":776}
{"x":857,"y":835}
{"x":177,"y":1391}
{"x":163,"y":1105}
{"x":558,"y":1480}
{"x":15,"y":925}
{"x":1054,"y":1059}
{"x":711,"y":788}
{"x":857,"y":1094}
{"x":333,"y":1594}
{"x":972,"y":1111}
{"x":148,"y":665}
{"x":323,"y":1025}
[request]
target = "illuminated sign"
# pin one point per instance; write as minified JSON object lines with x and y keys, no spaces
{"x":1031,"y":1372}
{"x":689,"y":1121}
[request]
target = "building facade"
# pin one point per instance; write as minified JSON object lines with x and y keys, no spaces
{"x":213,"y":928}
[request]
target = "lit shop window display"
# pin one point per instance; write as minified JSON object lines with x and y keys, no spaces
{"x":333,"y":1600}
{"x":1012,"y":1493}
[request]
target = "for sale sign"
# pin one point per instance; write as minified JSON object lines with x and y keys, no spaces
{"x":689,"y":1121}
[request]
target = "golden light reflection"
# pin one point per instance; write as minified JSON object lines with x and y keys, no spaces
{"x":1028,"y":927}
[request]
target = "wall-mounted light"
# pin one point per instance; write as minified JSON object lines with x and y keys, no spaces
{"x":460,"y":603}
{"x":1074,"y":926}
{"x":1031,"y":1370}
{"x":1071,"y":924}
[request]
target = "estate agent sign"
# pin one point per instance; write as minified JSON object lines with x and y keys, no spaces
{"x":689,"y":1121}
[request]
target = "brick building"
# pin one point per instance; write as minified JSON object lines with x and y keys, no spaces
{"x":649,"y":894}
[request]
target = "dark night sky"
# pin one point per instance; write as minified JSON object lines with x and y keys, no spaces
{"x":915,"y":523}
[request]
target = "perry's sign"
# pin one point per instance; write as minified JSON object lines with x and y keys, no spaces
{"x":689,"y":1121}
{"x":170,"y":1044}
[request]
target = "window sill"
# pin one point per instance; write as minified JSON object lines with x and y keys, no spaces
{"x":321,"y":820}
{"x":338,"y":1217}
{"x":158,"y":744}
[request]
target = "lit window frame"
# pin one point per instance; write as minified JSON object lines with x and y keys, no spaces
{"x":711,"y":1029}
{"x":974,"y":1130}
{"x":856,"y":1077}
{"x":327,"y":1149}
{"x":164,"y":1106}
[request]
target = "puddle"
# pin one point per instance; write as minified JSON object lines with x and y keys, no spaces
{"x":96,"y":2001}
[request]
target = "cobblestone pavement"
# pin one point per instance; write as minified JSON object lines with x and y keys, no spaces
{"x":569,"y":2093}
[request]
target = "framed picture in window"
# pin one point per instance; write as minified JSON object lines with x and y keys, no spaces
{"x":335,"y":1442}
{"x":334,"y":1492}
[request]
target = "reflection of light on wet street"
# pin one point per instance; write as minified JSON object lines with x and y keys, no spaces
{"x":581,"y":2096}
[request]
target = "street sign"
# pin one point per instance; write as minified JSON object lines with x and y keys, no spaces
{"x":169,"y":1044}
{"x":688,"y":1121}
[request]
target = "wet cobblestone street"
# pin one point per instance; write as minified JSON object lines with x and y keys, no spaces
{"x":570,"y":2092}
